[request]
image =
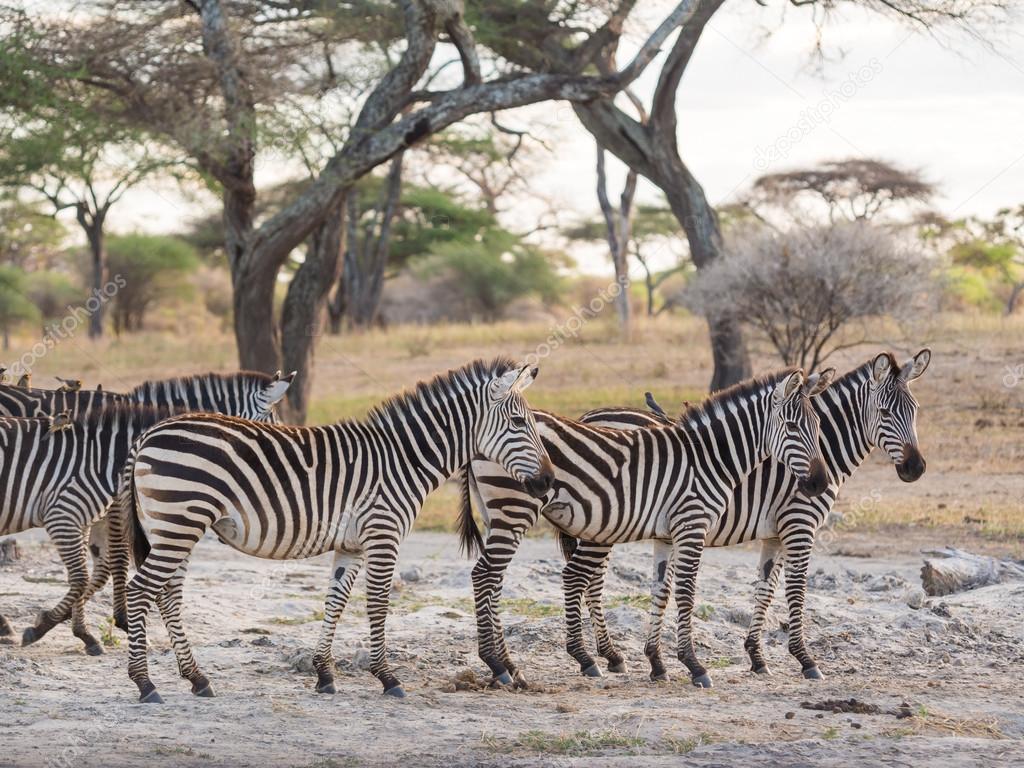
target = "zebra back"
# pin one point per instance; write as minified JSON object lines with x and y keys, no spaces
{"x":19,"y":402}
{"x":247,"y":394}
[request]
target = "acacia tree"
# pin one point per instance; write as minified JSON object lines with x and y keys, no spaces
{"x":203,"y":74}
{"x":806,"y":289}
{"x":650,"y":146}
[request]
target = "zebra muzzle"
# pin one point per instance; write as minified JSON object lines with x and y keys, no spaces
{"x":540,"y":484}
{"x":816,"y":481}
{"x":913,"y":464}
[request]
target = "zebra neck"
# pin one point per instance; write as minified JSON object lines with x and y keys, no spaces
{"x":432,"y":437}
{"x":730,"y":443}
{"x":845,"y":442}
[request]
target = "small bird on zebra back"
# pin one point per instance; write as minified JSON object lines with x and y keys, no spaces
{"x":69,"y":385}
{"x":4,"y":378}
{"x":25,"y":382}
{"x":60,"y":421}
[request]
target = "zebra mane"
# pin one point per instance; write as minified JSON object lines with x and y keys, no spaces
{"x":456,"y":380}
{"x":124,"y":412}
{"x":711,"y":407}
{"x":185,"y":384}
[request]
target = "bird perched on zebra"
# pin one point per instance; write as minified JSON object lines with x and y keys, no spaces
{"x":353,"y":488}
{"x":870,"y":406}
{"x":76,"y":464}
{"x":69,"y":385}
{"x":25,"y":382}
{"x":669,"y":482}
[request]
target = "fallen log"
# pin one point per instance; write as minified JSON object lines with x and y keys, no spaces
{"x":950,"y":570}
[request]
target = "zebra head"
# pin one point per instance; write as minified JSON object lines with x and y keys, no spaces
{"x":507,"y":433}
{"x":793,"y":429}
{"x":265,"y":397}
{"x":891,"y":412}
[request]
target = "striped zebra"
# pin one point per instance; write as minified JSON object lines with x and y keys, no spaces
{"x":353,"y":488}
{"x":669,"y":482}
{"x":870,"y":406}
{"x":237,"y":393}
{"x":61,"y":473}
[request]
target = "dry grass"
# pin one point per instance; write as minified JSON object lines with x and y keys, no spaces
{"x":971,"y":424}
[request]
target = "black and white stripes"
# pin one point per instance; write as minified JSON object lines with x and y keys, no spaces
{"x":352,"y":488}
{"x":669,"y":482}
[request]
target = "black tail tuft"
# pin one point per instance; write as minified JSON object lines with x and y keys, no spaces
{"x":653,"y":405}
{"x":130,"y":509}
{"x":567,"y":544}
{"x":471,"y":543}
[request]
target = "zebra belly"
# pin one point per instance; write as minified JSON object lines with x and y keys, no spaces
{"x":585,"y":521}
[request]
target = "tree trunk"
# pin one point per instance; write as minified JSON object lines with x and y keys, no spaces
{"x":303,"y":310}
{"x":1011,"y":303}
{"x":93,"y":226}
{"x":618,"y":234}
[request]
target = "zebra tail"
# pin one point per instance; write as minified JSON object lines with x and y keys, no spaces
{"x":567,"y":544}
{"x":471,"y":543}
{"x":129,"y":508}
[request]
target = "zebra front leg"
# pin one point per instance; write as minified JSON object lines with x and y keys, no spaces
{"x":688,"y":538}
{"x":343,"y":576}
{"x":117,"y":560}
{"x":768,"y":570}
{"x":100,"y":573}
{"x":488,"y":577}
{"x":380,"y":572}
{"x":69,"y":538}
{"x":661,"y":586}
{"x":797,"y":549}
{"x":576,"y":577}
{"x":169,"y":603}
{"x":595,"y":604}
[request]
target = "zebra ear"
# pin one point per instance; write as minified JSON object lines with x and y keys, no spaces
{"x":525,"y":377}
{"x":788,"y":386}
{"x":275,"y":390}
{"x":881,"y":367}
{"x":818,"y":382}
{"x":516,"y":379}
{"x":916,"y":365}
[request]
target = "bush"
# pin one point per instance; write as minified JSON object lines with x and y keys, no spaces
{"x":14,"y":306}
{"x":52,"y":293}
{"x":152,"y":268}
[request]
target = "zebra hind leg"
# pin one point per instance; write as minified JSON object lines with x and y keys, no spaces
{"x":689,"y":547}
{"x":661,"y":586}
{"x":576,"y":577}
{"x":595,"y":604}
{"x":100,"y":574}
{"x":343,"y":576}
{"x":488,"y":576}
{"x":70,"y":541}
{"x":161,"y":564}
{"x":768,"y":570}
{"x":169,"y":603}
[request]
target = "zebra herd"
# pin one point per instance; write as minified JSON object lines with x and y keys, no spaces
{"x":153,"y":470}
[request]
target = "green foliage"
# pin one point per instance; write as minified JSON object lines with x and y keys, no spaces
{"x":28,"y":238}
{"x":14,"y":305}
{"x":152,"y":267}
{"x":51,"y":292}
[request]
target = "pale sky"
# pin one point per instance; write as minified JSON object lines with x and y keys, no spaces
{"x":752,"y":103}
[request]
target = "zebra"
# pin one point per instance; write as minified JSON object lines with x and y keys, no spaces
{"x":353,"y":488}
{"x":869,"y":406}
{"x":668,"y":482}
{"x":62,"y":476}
{"x":238,"y":393}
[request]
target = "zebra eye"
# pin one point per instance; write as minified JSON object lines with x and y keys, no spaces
{"x":518,"y":421}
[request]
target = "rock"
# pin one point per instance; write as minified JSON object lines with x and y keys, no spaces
{"x":301,"y":661}
{"x":951,"y":570}
{"x":361,"y":659}
{"x":412,"y":575}
{"x":263,"y":641}
{"x":232,"y":643}
{"x":915,"y":598}
{"x":9,"y":551}
{"x":790,"y":715}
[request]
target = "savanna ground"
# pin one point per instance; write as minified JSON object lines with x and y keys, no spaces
{"x":946,"y":676}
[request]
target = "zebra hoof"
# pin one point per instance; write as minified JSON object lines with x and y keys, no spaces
{"x":618,"y":668}
{"x":29,"y":636}
{"x":206,"y":692}
{"x":661,"y":677}
{"x":503,"y":679}
{"x":592,"y":671}
{"x":327,"y":687}
{"x":702,"y":681}
{"x":151,"y":698}
{"x":812,"y":673}
{"x":5,"y":627}
{"x":121,"y":621}
{"x":396,"y":691}
{"x":94,"y":649}
{"x":761,"y":670}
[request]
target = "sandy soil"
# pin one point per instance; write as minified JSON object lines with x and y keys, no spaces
{"x":955,"y":662}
